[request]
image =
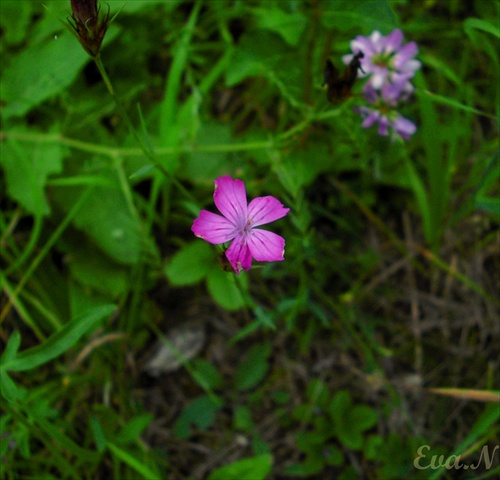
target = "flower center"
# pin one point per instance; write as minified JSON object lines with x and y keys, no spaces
{"x":383,"y":59}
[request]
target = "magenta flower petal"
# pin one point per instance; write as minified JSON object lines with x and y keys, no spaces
{"x":230,"y":198}
{"x":262,"y":210}
{"x":239,"y":255}
{"x":266,"y":246}
{"x":213,"y":228}
{"x":238,"y":222}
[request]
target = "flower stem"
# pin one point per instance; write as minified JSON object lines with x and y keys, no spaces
{"x":144,"y":147}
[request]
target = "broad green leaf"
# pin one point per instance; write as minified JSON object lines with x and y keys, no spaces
{"x":106,"y":218}
{"x":242,"y":418}
{"x":200,"y":412}
{"x":27,"y":167}
{"x":58,"y":343}
{"x":253,"y":369}
{"x":201,"y":165}
{"x":145,"y":471}
{"x":368,"y":14}
{"x":265,"y":54}
{"x":206,"y":373}
{"x":191,"y":263}
{"x":14,"y":20}
{"x":363,"y":417}
{"x":255,"y":468}
{"x":289,"y":25}
{"x":94,"y":269}
{"x":340,"y":404}
{"x":41,"y":72}
{"x":351,"y":420}
{"x":222,"y":287}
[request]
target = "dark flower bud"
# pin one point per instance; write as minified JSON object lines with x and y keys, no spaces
{"x":90,"y":29}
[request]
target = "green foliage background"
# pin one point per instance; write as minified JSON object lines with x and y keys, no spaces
{"x":315,"y":367}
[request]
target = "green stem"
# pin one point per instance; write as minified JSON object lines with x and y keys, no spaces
{"x":144,"y":147}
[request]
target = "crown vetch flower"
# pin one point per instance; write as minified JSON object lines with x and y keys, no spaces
{"x":384,"y":112}
{"x":90,"y":29}
{"x":386,"y":60}
{"x":237,"y":225}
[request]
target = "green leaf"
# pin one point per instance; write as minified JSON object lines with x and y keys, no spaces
{"x":317,"y":392}
{"x":200,"y":165}
{"x":8,"y":388}
{"x":369,"y":14}
{"x":12,"y":347}
{"x":485,"y":423}
{"x":99,"y":438}
{"x":242,"y":418}
{"x":289,"y":26}
{"x":140,"y":467}
{"x":200,"y":412}
{"x":350,"y":420}
{"x":255,"y":468}
{"x":58,"y":343}
{"x":41,"y":72}
{"x":94,"y":269}
{"x":107,"y":219}
{"x":191,"y":263}
{"x":14,"y":21}
{"x":253,"y":369}
{"x":483,"y":25}
{"x":265,"y":54}
{"x":450,"y":102}
{"x":65,"y":443}
{"x":206,"y":373}
{"x":133,"y":429}
{"x":27,"y":167}
{"x":363,"y":417}
{"x":222,"y":287}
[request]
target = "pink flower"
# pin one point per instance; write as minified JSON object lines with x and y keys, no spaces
{"x":238,"y":224}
